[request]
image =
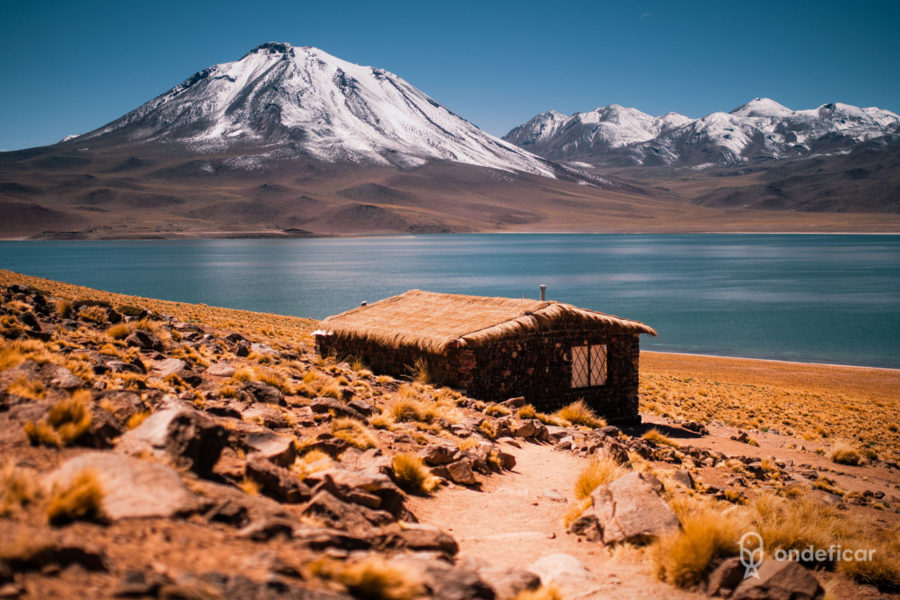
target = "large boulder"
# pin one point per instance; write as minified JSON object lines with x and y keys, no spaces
{"x":131,"y":487}
{"x":276,"y":482}
{"x":630,"y":509}
{"x":279,"y":449}
{"x":187,"y":437}
{"x":780,"y":580}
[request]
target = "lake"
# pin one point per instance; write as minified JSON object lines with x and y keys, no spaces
{"x":812,"y":298}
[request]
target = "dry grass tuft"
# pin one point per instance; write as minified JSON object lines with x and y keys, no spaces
{"x":94,"y":313}
{"x":81,"y":500}
{"x":371,"y":578}
{"x":119,"y":331}
{"x":18,"y":488}
{"x":496,"y":410}
{"x":682,"y":558}
{"x":527,"y":412}
{"x":488,"y":430}
{"x":411,"y":474}
{"x":354,"y":433}
{"x":27,"y":387}
{"x":844,"y":453}
{"x":601,"y":470}
{"x":67,"y":421}
{"x":249,"y":485}
{"x":409,"y":409}
{"x":383,"y":420}
{"x":579,"y":413}
{"x":63,"y":309}
{"x":654,"y":435}
{"x":542,"y":593}
{"x":883,"y":570}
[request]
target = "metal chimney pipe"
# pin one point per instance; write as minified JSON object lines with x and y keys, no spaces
{"x":543,"y":292}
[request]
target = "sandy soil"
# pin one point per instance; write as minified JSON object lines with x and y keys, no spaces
{"x":512,"y":522}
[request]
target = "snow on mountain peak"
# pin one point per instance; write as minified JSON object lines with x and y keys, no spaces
{"x":762,"y":107}
{"x":761,"y":129}
{"x":284,"y":100}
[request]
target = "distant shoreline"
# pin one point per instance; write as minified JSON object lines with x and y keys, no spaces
{"x":280,"y":235}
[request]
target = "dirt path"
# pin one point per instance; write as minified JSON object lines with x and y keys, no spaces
{"x":512,"y":522}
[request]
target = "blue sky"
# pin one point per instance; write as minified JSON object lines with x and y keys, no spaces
{"x":69,"y":67}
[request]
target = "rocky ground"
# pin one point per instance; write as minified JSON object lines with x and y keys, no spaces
{"x":162,"y":450}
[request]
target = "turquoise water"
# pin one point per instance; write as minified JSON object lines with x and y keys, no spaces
{"x":815,"y":298}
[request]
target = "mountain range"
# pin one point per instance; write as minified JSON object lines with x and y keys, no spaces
{"x":291,"y":141}
{"x":759,"y":131}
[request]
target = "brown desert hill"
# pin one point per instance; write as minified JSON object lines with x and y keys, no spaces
{"x":108,"y":193}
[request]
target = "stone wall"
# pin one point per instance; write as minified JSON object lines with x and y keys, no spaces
{"x":537,"y":365}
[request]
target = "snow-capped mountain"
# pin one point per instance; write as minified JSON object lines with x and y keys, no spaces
{"x":761,"y":129}
{"x":281,"y":101}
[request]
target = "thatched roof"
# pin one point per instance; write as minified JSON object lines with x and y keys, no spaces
{"x":433,"y":321}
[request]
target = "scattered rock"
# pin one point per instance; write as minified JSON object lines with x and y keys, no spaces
{"x":352,"y":517}
{"x":417,"y":538}
{"x":190,"y":438}
{"x":439,"y":454}
{"x":144,"y":340}
{"x":60,"y":377}
{"x":683,"y":477}
{"x":264,"y":414}
{"x":553,"y":496}
{"x":726,"y":577}
{"x":276,"y":482}
{"x":276,"y":448}
{"x":461,"y":472}
{"x":525,"y":429}
{"x":560,"y":568}
{"x":263,"y":392}
{"x":630,"y":509}
{"x":220,"y":369}
{"x":324,"y":404}
{"x":131,"y":487}
{"x":780,"y":580}
{"x":166,"y":367}
{"x":267,"y":529}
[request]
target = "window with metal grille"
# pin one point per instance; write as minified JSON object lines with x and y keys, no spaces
{"x":589,"y":365}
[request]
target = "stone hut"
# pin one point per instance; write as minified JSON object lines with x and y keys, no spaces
{"x":496,"y":348}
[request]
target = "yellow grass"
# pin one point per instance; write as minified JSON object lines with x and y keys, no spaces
{"x":67,"y":420}
{"x":354,"y":433}
{"x":97,"y":314}
{"x":27,"y":387}
{"x":844,"y":453}
{"x":372,"y":578}
{"x":601,"y":470}
{"x":653,"y":435}
{"x":119,"y":331}
{"x":411,"y":474}
{"x":542,"y":593}
{"x":579,"y":413}
{"x":18,"y":488}
{"x":682,"y":558}
{"x":80,"y":500}
{"x":811,"y":401}
{"x":527,"y":412}
{"x":283,"y":328}
{"x":495,"y":410}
